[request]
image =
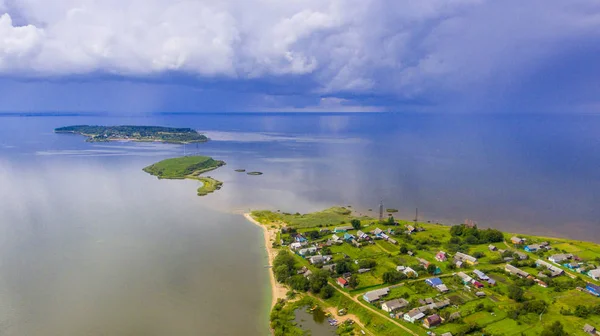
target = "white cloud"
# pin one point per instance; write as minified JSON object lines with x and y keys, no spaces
{"x":403,"y":48}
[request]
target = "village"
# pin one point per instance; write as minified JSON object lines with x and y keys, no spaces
{"x":432,"y":280}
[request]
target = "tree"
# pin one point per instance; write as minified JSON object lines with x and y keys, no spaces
{"x":403,"y":249}
{"x":318,"y":280}
{"x":431,"y":268}
{"x":393,"y":277}
{"x":284,"y":266}
{"x":355,"y":224}
{"x":327,"y":291}
{"x":555,"y":329}
{"x":299,"y":283}
{"x":325,"y":250}
{"x":391,"y":220}
{"x":515,"y":293}
{"x":353,"y":281}
{"x":367,"y":263}
{"x":343,"y":266}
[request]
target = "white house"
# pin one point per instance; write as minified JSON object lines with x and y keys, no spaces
{"x":413,"y":315}
{"x":595,"y":274}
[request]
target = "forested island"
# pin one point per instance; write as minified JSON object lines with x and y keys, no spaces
{"x":188,"y":167}
{"x":398,"y":277}
{"x":135,"y":133}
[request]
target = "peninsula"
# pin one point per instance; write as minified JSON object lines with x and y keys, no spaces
{"x":135,"y":133}
{"x":188,"y":167}
{"x":397,"y":277}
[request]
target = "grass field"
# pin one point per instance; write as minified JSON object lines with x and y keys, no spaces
{"x":183,"y":167}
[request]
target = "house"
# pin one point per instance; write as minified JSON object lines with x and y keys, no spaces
{"x":481,"y":275}
{"x":376,"y":295}
{"x":307,"y":251}
{"x":434,"y":282}
{"x":441,"y":256}
{"x":554,"y":271}
{"x":447,"y":334}
{"x":410,"y":228}
{"x":355,"y":243}
{"x":465,"y":278}
{"x":521,"y":255}
{"x":509,"y":259}
{"x":377,"y":232}
{"x":296,"y":245}
{"x":317,"y":259}
{"x":423,"y":262}
{"x":492,"y":248}
{"x":545,"y":245}
{"x":477,"y":284}
{"x":335,"y":237}
{"x":559,"y":258}
{"x":429,"y":300}
{"x":492,"y":282}
{"x":594,"y":289}
{"x":480,"y":294}
{"x":342,"y":282}
{"x":408,"y":271}
{"x":458,"y":264}
{"x":361,"y":235}
{"x":307,"y":274}
{"x":595,"y":274}
{"x":384,"y":236}
{"x":364,"y":270}
{"x":413,"y":315}
{"x":342,"y":229}
{"x":532,"y":248}
{"x":442,"y":304}
{"x":517,"y":240}
{"x":432,"y":321}
{"x":572,"y":265}
{"x":393,"y":305}
{"x":324,"y":231}
{"x":465,"y":258}
{"x":393,"y":241}
{"x":300,"y":238}
{"x":329,"y":268}
{"x":348,"y":236}
{"x":541,"y":283}
{"x":589,"y":329}
{"x":410,"y":253}
{"x":302,"y":270}
{"x":442,"y":288}
{"x":515,"y":271}
{"x":400,"y":268}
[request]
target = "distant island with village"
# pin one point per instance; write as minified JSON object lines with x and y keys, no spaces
{"x":189,"y":167}
{"x":135,"y":133}
{"x":383,"y":276}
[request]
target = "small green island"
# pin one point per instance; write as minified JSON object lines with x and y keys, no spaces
{"x":135,"y":133}
{"x":188,"y":167}
{"x":240,"y":170}
{"x":391,"y":210}
{"x":254,"y":173}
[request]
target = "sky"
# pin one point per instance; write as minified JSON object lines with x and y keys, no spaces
{"x":142,"y":56}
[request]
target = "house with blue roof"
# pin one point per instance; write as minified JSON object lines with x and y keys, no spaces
{"x":594,"y":289}
{"x":348,"y":236}
{"x":433,"y":282}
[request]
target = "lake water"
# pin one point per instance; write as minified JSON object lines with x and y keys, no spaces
{"x":91,"y":245}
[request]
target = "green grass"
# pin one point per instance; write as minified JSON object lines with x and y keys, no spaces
{"x":336,"y":216}
{"x":183,"y":167}
{"x":209,"y":185}
{"x":188,"y":167}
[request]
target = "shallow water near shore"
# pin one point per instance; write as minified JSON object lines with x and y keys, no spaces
{"x":92,"y":245}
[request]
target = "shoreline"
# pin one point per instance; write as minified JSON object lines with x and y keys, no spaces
{"x":278,"y":291}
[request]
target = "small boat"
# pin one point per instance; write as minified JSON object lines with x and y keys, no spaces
{"x":313,"y":308}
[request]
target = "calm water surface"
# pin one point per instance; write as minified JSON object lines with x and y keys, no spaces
{"x":91,"y":245}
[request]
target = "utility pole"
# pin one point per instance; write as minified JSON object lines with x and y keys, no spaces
{"x":416,"y":216}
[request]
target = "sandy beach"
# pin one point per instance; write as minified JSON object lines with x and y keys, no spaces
{"x":278,"y":290}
